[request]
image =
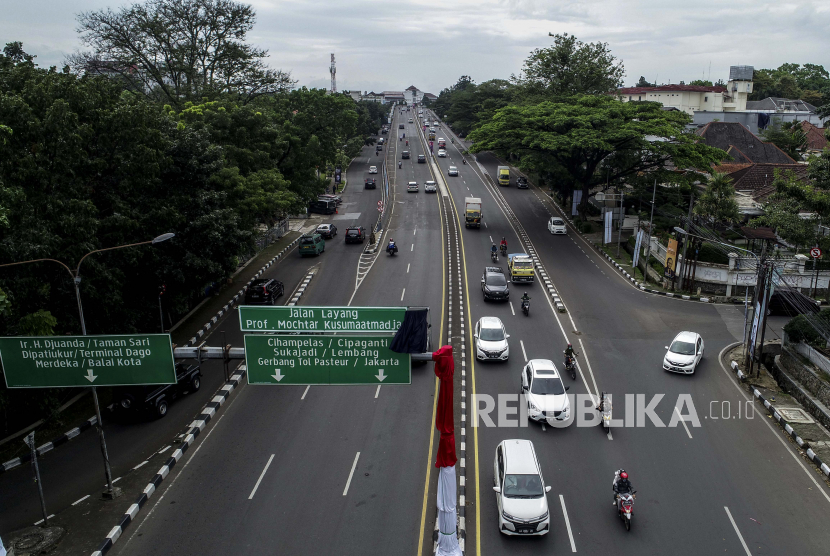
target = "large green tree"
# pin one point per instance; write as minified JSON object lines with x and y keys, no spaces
{"x":179,"y":50}
{"x":717,"y":204}
{"x":586,"y":141}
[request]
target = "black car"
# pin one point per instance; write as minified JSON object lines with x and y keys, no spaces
{"x":400,"y":126}
{"x":404,"y":154}
{"x":369,"y":183}
{"x":422,"y":159}
{"x":155,"y":399}
{"x":264,"y":291}
{"x":355,"y":234}
{"x":384,"y":131}
{"x":521,"y":182}
{"x":494,"y":284}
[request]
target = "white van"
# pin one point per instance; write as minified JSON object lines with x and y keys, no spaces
{"x":521,"y":494}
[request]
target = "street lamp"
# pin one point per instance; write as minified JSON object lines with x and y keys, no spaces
{"x":111,"y":492}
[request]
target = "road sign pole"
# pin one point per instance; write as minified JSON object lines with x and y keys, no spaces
{"x":30,"y":440}
{"x":112,"y":492}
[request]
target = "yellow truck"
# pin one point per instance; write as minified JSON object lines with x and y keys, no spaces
{"x":520,"y":266}
{"x":504,"y":175}
{"x":472,"y":212}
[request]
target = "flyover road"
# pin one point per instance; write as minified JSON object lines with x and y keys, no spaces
{"x":693,"y":482}
{"x":319,"y":469}
{"x":75,"y":469}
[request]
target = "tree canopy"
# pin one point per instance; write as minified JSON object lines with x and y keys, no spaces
{"x":808,"y":82}
{"x":717,"y":204}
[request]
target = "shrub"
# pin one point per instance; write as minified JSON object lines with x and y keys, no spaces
{"x":799,"y":329}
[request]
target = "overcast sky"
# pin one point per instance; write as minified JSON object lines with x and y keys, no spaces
{"x":389,"y":45}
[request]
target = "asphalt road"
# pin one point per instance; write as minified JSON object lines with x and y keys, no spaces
{"x":685,"y":479}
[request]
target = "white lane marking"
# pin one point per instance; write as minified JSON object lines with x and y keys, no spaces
{"x":587,"y":362}
{"x":774,"y":432}
{"x":377,"y":391}
{"x":402,"y":293}
{"x":256,"y":486}
{"x":683,"y":421}
{"x":412,"y":248}
{"x":354,"y":465}
{"x":164,"y":449}
{"x":305,"y":392}
{"x":76,"y":502}
{"x":407,"y":267}
{"x":740,"y":537}
{"x":567,"y":522}
{"x":145,"y":462}
{"x":511,"y":308}
{"x":413,"y":232}
{"x":485,"y":224}
{"x":47,"y":517}
{"x":609,"y":434}
{"x":523,"y":350}
{"x":491,"y":239}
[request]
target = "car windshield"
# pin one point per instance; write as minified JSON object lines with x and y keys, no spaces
{"x":496,"y":280}
{"x":523,"y":486}
{"x":523,"y":265}
{"x":682,"y":348}
{"x":558,"y":223}
{"x":543,"y":386}
{"x":453,"y":168}
{"x":352,"y":232}
{"x":492,"y":334}
{"x":307,"y":241}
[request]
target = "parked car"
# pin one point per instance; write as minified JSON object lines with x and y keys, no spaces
{"x":328,"y":231}
{"x":430,"y":187}
{"x":311,"y":244}
{"x":452,"y":171}
{"x":521,"y":182}
{"x":373,"y":169}
{"x":684,"y":353}
{"x":331,"y":197}
{"x":557,"y":226}
{"x":422,"y":159}
{"x":404,"y":154}
{"x":369,"y":183}
{"x":381,"y":141}
{"x":491,"y":340}
{"x":322,"y":206}
{"x":156,"y":399}
{"x":442,"y":153}
{"x":412,"y":186}
{"x":384,"y":131}
{"x":544,"y":392}
{"x":494,"y":284}
{"x":264,"y":291}
{"x":521,"y":494}
{"x":355,"y":234}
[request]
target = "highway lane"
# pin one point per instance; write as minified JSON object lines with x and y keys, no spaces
{"x":624,"y":332}
{"x":315,"y":435}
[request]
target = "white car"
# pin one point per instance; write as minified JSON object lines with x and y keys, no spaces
{"x":684,"y":353}
{"x":410,"y":120}
{"x":373,"y":169}
{"x":452,"y":171}
{"x":544,"y":392}
{"x":430,"y":187}
{"x":412,"y":186}
{"x":557,"y":226}
{"x":491,"y":340}
{"x":442,"y":153}
{"x":521,"y":494}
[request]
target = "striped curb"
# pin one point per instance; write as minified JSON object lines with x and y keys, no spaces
{"x":240,"y":294}
{"x":42,"y":449}
{"x":811,"y":455}
{"x":194,"y":430}
{"x":299,"y":293}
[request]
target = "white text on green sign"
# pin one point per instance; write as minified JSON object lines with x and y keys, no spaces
{"x":320,"y":319}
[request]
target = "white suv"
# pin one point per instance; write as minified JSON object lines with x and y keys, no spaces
{"x":544,"y":392}
{"x":491,"y":340}
{"x":521,"y":494}
{"x":557,"y":226}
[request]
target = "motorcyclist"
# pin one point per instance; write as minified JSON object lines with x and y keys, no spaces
{"x":621,"y":484}
{"x":391,"y":245}
{"x":464,"y":160}
{"x":569,"y":351}
{"x":399,"y":163}
{"x":407,"y":142}
{"x":525,"y":299}
{"x":493,"y":249}
{"x":503,"y":244}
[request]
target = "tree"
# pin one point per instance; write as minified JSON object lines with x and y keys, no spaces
{"x":807,"y":82}
{"x":789,"y":137}
{"x":14,"y":51}
{"x":585,"y":140}
{"x":718,"y":204}
{"x":701,"y":82}
{"x":570,"y":67}
{"x":643,"y":83}
{"x":179,"y":50}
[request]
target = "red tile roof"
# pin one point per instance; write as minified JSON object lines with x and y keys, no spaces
{"x":816,"y":139}
{"x":671,"y":88}
{"x":758,"y":178}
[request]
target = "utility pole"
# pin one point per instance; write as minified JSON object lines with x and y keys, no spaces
{"x":622,"y":219}
{"x":763,"y":323}
{"x":760,"y":283}
{"x":650,"y":227}
{"x":686,"y":242}
{"x":30,"y":440}
{"x":333,"y":71}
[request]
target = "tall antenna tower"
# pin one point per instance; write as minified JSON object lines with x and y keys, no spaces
{"x":333,"y":71}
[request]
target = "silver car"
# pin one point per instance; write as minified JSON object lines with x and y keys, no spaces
{"x":521,"y":494}
{"x":452,"y":171}
{"x":557,"y":226}
{"x":491,"y":340}
{"x":430,"y":187}
{"x":684,"y":353}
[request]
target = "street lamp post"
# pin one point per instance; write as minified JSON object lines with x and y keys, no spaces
{"x":111,"y":492}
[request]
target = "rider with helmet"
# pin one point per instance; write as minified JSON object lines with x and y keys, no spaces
{"x":621,"y":484}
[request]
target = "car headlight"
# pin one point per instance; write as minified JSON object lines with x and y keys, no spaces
{"x":508,"y":516}
{"x":532,"y":406}
{"x":543,"y":516}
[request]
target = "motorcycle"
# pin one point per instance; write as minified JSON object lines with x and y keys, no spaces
{"x":625,"y":507}
{"x":407,"y":142}
{"x":391,"y":249}
{"x":494,"y":256}
{"x":526,"y":307}
{"x":464,"y":160}
{"x":570,"y":366}
{"x":605,"y":409}
{"x":503,"y":248}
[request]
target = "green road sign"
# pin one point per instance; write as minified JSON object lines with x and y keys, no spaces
{"x":55,"y":361}
{"x":320,"y":319}
{"x":314,"y":359}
